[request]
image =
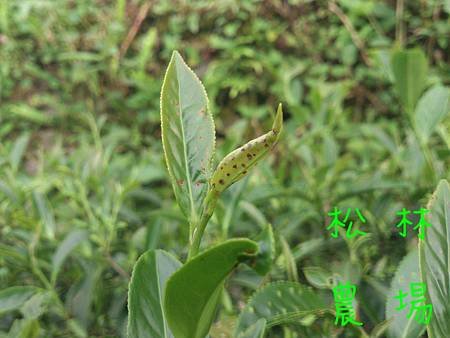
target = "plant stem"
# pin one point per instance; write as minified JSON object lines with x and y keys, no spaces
{"x":199,"y":228}
{"x":399,"y":29}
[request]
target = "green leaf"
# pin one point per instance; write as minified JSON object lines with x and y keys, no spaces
{"x":14,"y":297}
{"x":237,"y":164}
{"x":410,"y":73}
{"x":65,"y":248}
{"x":83,"y":293}
{"x":145,"y":295}
{"x":319,"y":278}
{"x":193,"y":291}
{"x":255,"y":331}
{"x":433,"y":106}
{"x":36,"y":305}
{"x":401,"y":326}
{"x":187,"y":134}
{"x":434,"y":260}
{"x":266,"y":252}
{"x":447,"y":6}
{"x":18,"y":151}
{"x":46,"y":213}
{"x":24,"y":328}
{"x":24,"y":111}
{"x":289,"y":260}
{"x":379,"y":329}
{"x":281,"y":303}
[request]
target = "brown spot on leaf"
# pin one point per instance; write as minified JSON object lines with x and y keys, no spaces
{"x":235,"y":166}
{"x":249,"y":156}
{"x":243,"y":165}
{"x":221,"y":182}
{"x":244,"y":172}
{"x":228,"y":174}
{"x":180,"y":182}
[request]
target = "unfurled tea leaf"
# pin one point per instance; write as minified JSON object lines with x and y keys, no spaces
{"x":145,"y":297}
{"x":401,"y":326}
{"x":193,"y":291}
{"x":432,"y":107}
{"x":434,"y":252}
{"x":187,"y":135}
{"x":410,"y":73}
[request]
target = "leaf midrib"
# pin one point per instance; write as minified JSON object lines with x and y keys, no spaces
{"x":188,"y":175}
{"x":160,"y":294}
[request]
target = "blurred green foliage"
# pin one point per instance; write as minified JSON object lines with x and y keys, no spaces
{"x":83,"y":186}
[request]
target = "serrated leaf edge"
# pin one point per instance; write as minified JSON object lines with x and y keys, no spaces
{"x":208,"y":169}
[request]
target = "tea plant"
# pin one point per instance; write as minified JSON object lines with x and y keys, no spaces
{"x":83,"y":188}
{"x":171,"y":299}
{"x":168,"y":298}
{"x":165,"y":296}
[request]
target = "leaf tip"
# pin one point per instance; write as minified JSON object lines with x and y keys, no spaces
{"x":175,"y":53}
{"x":278,"y":122}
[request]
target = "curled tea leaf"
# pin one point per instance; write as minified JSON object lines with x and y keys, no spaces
{"x":236,"y":164}
{"x":231,"y":169}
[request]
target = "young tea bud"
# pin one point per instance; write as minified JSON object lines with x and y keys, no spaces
{"x":236,"y":164}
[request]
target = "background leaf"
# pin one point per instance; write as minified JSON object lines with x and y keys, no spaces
{"x":432,"y":107}
{"x":24,"y":328}
{"x":281,"y":303}
{"x":401,"y":326}
{"x":410,"y":73}
{"x":435,"y":258}
{"x":14,"y":297}
{"x":65,"y":248}
{"x":319,"y":278}
{"x":255,"y":331}
{"x":289,"y":260}
{"x":266,"y":252}
{"x":187,"y":135}
{"x":193,"y":291}
{"x":145,"y":297}
{"x":18,"y":150}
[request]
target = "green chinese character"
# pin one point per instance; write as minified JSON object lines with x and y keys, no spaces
{"x":404,"y":222}
{"x":335,"y":222}
{"x":421,"y":310}
{"x":350,"y":225}
{"x":344,"y":294}
{"x":422,"y":222}
{"x":401,"y":296}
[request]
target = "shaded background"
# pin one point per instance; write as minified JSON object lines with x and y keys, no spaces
{"x":83,"y":186}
